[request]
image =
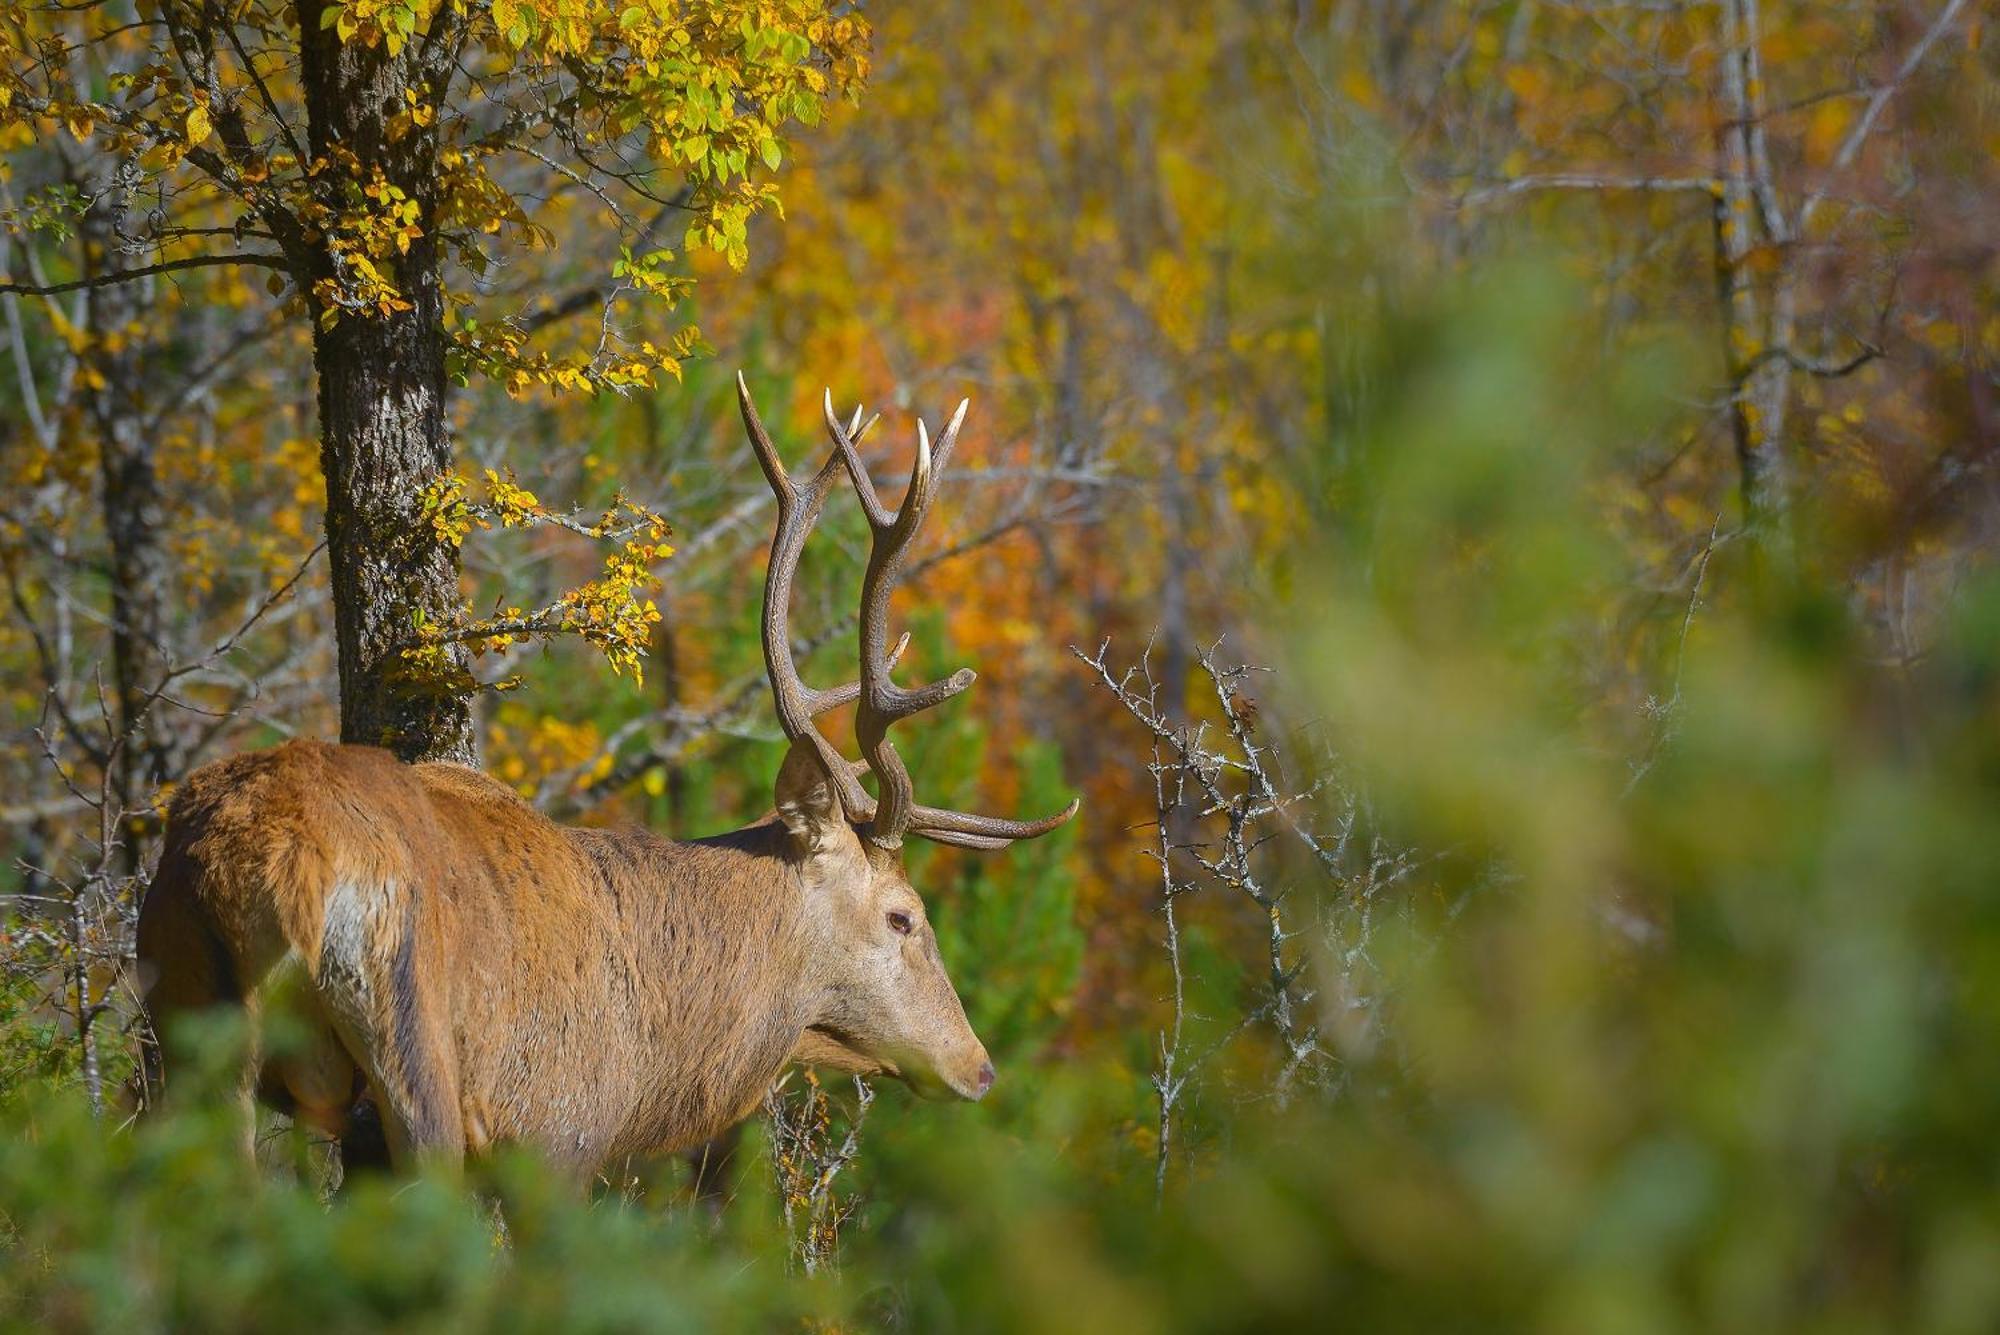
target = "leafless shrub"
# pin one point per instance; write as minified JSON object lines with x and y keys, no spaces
{"x":67,"y":934}
{"x":808,"y":1155}
{"x":1236,"y":813}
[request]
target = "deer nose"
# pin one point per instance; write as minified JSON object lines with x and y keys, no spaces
{"x":985,"y":1078}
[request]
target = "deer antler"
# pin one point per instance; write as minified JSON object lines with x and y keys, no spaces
{"x":797,"y":703}
{"x":882,"y":701}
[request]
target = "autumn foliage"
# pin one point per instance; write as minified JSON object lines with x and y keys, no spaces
{"x":1548,"y":446}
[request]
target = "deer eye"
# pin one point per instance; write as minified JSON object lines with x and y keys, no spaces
{"x":900,"y":923}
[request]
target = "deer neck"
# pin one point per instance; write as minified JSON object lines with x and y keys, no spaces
{"x":721,"y":976}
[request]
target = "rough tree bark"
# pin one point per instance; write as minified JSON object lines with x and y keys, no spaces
{"x":383,"y":433}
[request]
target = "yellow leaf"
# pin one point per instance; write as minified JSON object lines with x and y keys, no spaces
{"x":198,"y":127}
{"x":1360,"y":89}
{"x":1827,"y":128}
{"x":1528,"y":83}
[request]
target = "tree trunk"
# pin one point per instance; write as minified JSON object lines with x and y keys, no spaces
{"x":130,"y":497}
{"x":383,"y":434}
{"x":1755,"y":326}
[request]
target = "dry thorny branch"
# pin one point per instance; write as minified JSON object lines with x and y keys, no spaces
{"x":1231,"y":815}
{"x":807,"y":1157}
{"x":66,"y":936}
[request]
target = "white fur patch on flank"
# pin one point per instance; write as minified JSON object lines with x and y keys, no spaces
{"x":360,"y":924}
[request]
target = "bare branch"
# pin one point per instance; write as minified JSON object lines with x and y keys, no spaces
{"x":1707,"y":186}
{"x":106,"y":279}
{"x":1850,"y":147}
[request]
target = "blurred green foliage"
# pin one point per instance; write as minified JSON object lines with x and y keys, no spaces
{"x":33,"y":1046}
{"x":1690,"y":1025}
{"x":1694,"y":1036}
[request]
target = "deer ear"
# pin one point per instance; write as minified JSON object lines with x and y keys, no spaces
{"x":806,"y":801}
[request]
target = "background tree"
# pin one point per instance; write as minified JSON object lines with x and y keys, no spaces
{"x":369,"y":156}
{"x":1786,"y":175}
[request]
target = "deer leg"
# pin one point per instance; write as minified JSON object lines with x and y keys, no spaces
{"x":409,"y":1117}
{"x":184,"y":968}
{"x":250,"y":1076}
{"x":418,"y":1105}
{"x":364,"y":1144}
{"x":393,"y":1025}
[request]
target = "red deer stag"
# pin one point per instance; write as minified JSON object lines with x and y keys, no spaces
{"x":485,"y":976}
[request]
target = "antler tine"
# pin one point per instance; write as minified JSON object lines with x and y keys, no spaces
{"x":798,"y":704}
{"x":970,"y":831}
{"x":882,"y":701}
{"x":760,"y":442}
{"x":845,"y":439}
{"x":848,"y":693}
{"x":950,"y":437}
